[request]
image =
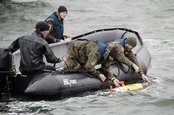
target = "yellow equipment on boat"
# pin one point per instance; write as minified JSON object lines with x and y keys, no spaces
{"x":133,"y":87}
{"x":124,"y":88}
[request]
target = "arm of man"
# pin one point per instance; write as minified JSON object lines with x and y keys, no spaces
{"x":50,"y":57}
{"x":51,"y":38}
{"x":50,"y":22}
{"x":107,"y":71}
{"x":122,"y":58}
{"x":90,"y":65}
{"x":92,"y":61}
{"x":133,"y":58}
{"x":14,"y":46}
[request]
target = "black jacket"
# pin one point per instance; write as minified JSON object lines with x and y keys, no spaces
{"x":32,"y":49}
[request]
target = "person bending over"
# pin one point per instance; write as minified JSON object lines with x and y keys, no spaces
{"x":125,"y":55}
{"x":87,"y":54}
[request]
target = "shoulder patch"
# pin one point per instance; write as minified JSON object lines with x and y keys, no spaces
{"x":93,"y":62}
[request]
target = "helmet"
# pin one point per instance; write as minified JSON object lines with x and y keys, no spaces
{"x":131,"y":41}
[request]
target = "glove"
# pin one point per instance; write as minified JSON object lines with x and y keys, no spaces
{"x":136,"y":68}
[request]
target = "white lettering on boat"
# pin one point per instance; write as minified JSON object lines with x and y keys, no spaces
{"x":69,"y":82}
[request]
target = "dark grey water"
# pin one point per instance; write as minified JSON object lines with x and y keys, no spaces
{"x":153,"y":19}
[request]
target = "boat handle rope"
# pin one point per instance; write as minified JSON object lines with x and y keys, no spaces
{"x":121,"y":67}
{"x":64,"y":61}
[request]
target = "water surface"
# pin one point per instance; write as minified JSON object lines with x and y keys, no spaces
{"x":153,"y":19}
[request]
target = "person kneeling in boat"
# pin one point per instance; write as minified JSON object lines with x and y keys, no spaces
{"x":55,"y":21}
{"x":87,"y":54}
{"x":32,"y":48}
{"x":125,"y":55}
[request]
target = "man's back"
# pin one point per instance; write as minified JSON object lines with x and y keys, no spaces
{"x":32,"y":50}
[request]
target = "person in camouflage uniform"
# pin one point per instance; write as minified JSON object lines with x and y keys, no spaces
{"x":86,"y":54}
{"x":125,"y":55}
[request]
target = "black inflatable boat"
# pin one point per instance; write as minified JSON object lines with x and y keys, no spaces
{"x":60,"y":83}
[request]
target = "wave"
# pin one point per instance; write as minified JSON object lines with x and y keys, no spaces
{"x":12,"y":6}
{"x":18,"y":18}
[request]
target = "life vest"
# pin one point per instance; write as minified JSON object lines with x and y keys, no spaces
{"x":101,"y":48}
{"x":121,"y":41}
{"x":56,"y":26}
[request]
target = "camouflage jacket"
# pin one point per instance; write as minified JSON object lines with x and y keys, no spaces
{"x":86,"y":53}
{"x":126,"y":57}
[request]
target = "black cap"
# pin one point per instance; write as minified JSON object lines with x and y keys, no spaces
{"x":62,"y":9}
{"x":113,"y":53}
{"x":42,"y":26}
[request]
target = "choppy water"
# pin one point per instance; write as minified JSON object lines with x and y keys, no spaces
{"x":153,"y":19}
